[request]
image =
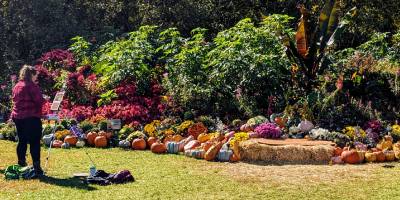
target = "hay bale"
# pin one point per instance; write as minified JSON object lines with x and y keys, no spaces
{"x":297,"y":154}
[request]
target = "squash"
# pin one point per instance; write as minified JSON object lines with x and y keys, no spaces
{"x":396,"y":146}
{"x":224,"y":155}
{"x":386,"y":143}
{"x":80,"y":143}
{"x":47,"y":139}
{"x":337,"y":160}
{"x":124,"y":144}
{"x":172,"y":147}
{"x":191,"y":145}
{"x":204,"y":137}
{"x":389,"y":155}
{"x":361,"y":155}
{"x":65,"y":145}
{"x":397,"y":154}
{"x":57,"y":143}
{"x":380,"y":156}
{"x":197,"y":153}
{"x":350,"y":157}
{"x":91,"y":136}
{"x":229,"y":135}
{"x":139,"y":144}
{"x":338,"y":151}
{"x":183,"y":142}
{"x":235,"y":149}
{"x":72,"y":140}
{"x":213,"y":151}
{"x":158,"y":148}
{"x":233,"y":158}
{"x":370,"y":157}
{"x":246,"y":128}
{"x":151,"y":141}
{"x":177,"y":138}
{"x":100,"y":141}
{"x":206,"y":145}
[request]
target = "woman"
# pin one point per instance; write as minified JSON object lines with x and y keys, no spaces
{"x":26,"y":113}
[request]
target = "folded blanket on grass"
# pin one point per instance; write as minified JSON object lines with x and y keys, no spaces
{"x":103,"y":178}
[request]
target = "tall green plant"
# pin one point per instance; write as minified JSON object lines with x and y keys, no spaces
{"x":312,"y":39}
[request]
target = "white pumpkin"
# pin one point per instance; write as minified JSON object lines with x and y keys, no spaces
{"x":65,"y":145}
{"x":80,"y":143}
{"x":1,"y":136}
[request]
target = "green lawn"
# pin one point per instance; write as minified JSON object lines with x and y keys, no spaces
{"x":179,"y":177}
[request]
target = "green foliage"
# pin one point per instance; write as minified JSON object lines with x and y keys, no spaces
{"x":86,"y":126}
{"x":248,"y":64}
{"x":81,"y":49}
{"x":187,"y":78}
{"x":106,"y":98}
{"x":127,"y":59}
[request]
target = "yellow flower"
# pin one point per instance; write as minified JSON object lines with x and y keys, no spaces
{"x":396,"y":129}
{"x":351,"y":131}
{"x":185,"y":125}
{"x":169,"y":132}
{"x":149,"y":129}
{"x":240,"y":136}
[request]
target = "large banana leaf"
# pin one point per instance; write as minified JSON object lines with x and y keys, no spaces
{"x":324,"y":16}
{"x":328,"y":21}
{"x":302,"y":35}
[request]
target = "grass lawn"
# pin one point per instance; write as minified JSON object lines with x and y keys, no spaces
{"x":180,"y":177}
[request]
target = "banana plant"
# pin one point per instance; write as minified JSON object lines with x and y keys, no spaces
{"x":311,"y":40}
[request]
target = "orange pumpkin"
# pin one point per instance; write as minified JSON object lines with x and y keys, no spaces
{"x":338,"y":151}
{"x":168,"y":138}
{"x":100,"y":141}
{"x":91,"y":136}
{"x":72,"y":140}
{"x":139,"y":144}
{"x":280,"y":121}
{"x":151,"y":141}
{"x":57,"y":143}
{"x":158,"y":148}
{"x":177,"y":138}
{"x":350,"y":157}
{"x":206,"y":145}
{"x":108,"y":135}
{"x":389,"y":156}
{"x":380,"y":156}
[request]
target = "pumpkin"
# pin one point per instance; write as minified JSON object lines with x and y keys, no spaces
{"x":124,"y":144}
{"x":253,"y":134}
{"x":72,"y":140}
{"x":65,"y":145}
{"x":338,"y":151}
{"x":168,"y":138}
{"x":57,"y":143}
{"x":108,"y":135}
{"x":197,"y":153}
{"x":350,"y":157}
{"x":396,"y":146}
{"x":151,"y":141}
{"x":386,"y":143}
{"x":158,"y":148}
{"x":172,"y":147}
{"x":224,"y":155}
{"x":233,"y":158}
{"x":91,"y":136}
{"x":246,"y":128}
{"x":380,"y":156}
{"x":389,"y":155}
{"x":80,"y":143}
{"x":100,"y":141}
{"x":397,"y":154}
{"x":177,"y":138}
{"x":47,"y":139}
{"x":361,"y":155}
{"x":213,"y":151}
{"x":204,"y":137}
{"x":139,"y":144}
{"x":370,"y":157}
{"x":191,"y":145}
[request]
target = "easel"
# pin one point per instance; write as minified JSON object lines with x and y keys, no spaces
{"x":55,"y":108}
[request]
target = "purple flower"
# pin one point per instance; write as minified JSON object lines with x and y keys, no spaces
{"x":268,"y":130}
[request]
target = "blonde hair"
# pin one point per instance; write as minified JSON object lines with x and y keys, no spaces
{"x":26,"y":73}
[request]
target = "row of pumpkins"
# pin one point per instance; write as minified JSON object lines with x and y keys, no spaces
{"x":98,"y":139}
{"x":385,"y":151}
{"x":204,"y":147}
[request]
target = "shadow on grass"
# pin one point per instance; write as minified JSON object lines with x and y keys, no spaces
{"x":68,"y":182}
